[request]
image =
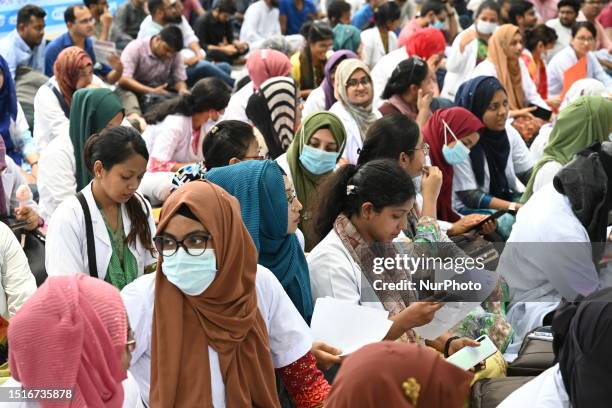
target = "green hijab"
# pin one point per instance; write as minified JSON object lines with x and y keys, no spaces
{"x":90,"y":112}
{"x":304,"y":181}
{"x":579,"y":125}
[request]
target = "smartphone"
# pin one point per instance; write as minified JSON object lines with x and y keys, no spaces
{"x":14,"y":224}
{"x":468,"y":357}
{"x":491,"y":217}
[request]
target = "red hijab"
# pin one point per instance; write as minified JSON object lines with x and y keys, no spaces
{"x":426,"y":43}
{"x":463,"y":123}
{"x":67,"y":69}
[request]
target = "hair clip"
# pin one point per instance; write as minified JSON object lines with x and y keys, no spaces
{"x":411,"y":389}
{"x":351,"y":189}
{"x":213,"y":130}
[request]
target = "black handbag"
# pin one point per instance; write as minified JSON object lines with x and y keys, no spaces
{"x":33,"y":244}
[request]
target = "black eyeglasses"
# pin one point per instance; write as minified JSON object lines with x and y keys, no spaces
{"x":365,"y":81}
{"x":194,"y":244}
{"x":416,"y":61}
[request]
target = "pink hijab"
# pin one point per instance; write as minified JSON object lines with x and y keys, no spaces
{"x":265,"y":64}
{"x":70,"y":335}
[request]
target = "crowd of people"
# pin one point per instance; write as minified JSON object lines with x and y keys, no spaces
{"x":199,"y":189}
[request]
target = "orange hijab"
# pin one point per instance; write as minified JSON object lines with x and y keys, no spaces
{"x":225,"y":316}
{"x":508,"y":68}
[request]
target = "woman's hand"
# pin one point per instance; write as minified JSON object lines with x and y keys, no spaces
{"x":29,"y":215}
{"x":325,"y":354}
{"x":465,"y":223}
{"x":460,"y":343}
{"x":431,"y":183}
{"x":522,"y":112}
{"x":424,"y":100}
{"x":420,"y":313}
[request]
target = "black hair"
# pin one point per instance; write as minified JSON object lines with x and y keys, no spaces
{"x":226,"y":6}
{"x":114,"y":146}
{"x":227,"y":139}
{"x":154,"y":5}
{"x":387,"y":13}
{"x":336,"y":9}
{"x":69,"y":16}
{"x":584,"y":24}
{"x":172,"y":36}
{"x":28,"y":11}
{"x":489,"y":5}
{"x":315,"y":31}
{"x":569,"y":3}
{"x":540,"y":33}
{"x":380,"y":182}
{"x":432,"y":5}
{"x":518,"y":9}
{"x":411,"y":71}
{"x":207,"y":93}
{"x":388,"y":137}
{"x":88,"y":3}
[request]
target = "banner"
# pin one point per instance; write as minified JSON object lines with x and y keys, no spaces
{"x":55,"y":13}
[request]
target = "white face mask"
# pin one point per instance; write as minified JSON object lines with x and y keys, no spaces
{"x":485,"y":27}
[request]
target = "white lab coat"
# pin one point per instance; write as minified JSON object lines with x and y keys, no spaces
{"x":354,"y":139}
{"x":11,"y":180}
{"x":260,"y":23}
{"x":383,"y":70}
{"x":459,"y":65}
{"x":236,"y":108}
{"x":564,"y":37}
{"x":545,"y":391}
{"x":131,"y":395}
{"x":486,"y":68}
{"x":315,"y":102}
{"x":519,"y":161}
{"x":17,"y":283}
{"x":564,"y":60}
{"x":66,"y":246}
{"x":373,"y":49}
{"x":290,"y":337}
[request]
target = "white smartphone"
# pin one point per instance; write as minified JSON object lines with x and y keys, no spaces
{"x":468,"y":357}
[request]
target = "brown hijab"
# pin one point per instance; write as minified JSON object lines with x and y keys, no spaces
{"x":67,"y":69}
{"x":507,"y":66}
{"x":225,"y":316}
{"x":413,"y":376}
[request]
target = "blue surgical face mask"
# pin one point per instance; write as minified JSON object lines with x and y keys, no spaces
{"x":456,"y":154}
{"x":440,"y":25}
{"x":318,"y":161}
{"x":191,"y":274}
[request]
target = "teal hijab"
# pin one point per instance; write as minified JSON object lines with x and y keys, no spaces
{"x":260,"y":189}
{"x":90,"y":112}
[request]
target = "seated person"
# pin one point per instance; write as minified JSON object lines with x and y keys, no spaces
{"x":152,"y":65}
{"x":126,"y":22}
{"x":102,"y":18}
{"x":261,"y":22}
{"x":216,"y":33}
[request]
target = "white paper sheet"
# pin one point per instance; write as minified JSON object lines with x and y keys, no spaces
{"x":103,"y":50}
{"x":348,"y":326}
{"x":446,"y":317}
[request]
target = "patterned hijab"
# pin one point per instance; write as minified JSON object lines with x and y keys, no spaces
{"x":507,"y":66}
{"x":225,"y":316}
{"x":67,"y":69}
{"x":260,"y":189}
{"x":363,"y":115}
{"x":272,"y":110}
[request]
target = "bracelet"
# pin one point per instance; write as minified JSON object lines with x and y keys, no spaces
{"x":512,"y":206}
{"x":448,"y":343}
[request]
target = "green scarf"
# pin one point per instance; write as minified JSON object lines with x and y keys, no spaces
{"x":586,"y":121}
{"x":304,"y":181}
{"x":90,"y":112}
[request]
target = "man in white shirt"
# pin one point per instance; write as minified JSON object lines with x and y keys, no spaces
{"x":260,"y":23}
{"x":568,"y":12}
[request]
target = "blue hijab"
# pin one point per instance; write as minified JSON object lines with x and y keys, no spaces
{"x":475,"y":95}
{"x":260,"y":188}
{"x":8,"y":110}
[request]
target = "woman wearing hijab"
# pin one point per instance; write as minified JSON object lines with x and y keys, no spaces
{"x":275,"y":111}
{"x":451,"y":134}
{"x":428,"y":44}
{"x":72,"y":70}
{"x":265,"y":194}
{"x":86,"y":347}
{"x":63,"y":171}
{"x":426,"y":381}
{"x":261,"y":66}
{"x":504,"y":62}
{"x":313,"y":154}
{"x":487,"y":182}
{"x":581,"y":330}
{"x":557,"y":245}
{"x":354,"y":94}
{"x":14,"y":128}
{"x":322,"y":98}
{"x":584,"y":122}
{"x":308,"y":64}
{"x":347,"y":37}
{"x":209,"y":292}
